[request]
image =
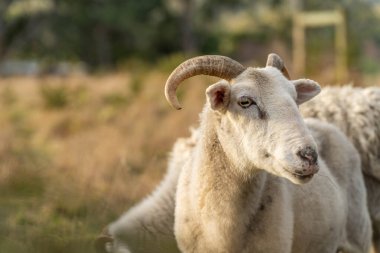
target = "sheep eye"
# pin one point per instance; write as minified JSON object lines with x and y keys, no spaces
{"x":245,"y":102}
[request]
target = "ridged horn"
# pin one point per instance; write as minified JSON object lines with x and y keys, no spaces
{"x":211,"y":65}
{"x":275,"y":61}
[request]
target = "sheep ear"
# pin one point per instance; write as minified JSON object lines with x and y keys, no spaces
{"x":306,"y":89}
{"x":218,"y":95}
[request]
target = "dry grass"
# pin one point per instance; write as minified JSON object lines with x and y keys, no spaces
{"x":76,"y":152}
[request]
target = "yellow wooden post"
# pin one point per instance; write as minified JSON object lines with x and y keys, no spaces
{"x":341,"y":49}
{"x":299,"y":50}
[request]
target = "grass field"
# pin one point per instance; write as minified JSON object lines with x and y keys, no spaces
{"x":76,"y":152}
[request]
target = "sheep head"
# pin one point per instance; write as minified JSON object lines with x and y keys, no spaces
{"x":258,"y":121}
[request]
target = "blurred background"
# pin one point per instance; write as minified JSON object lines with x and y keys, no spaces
{"x":85,"y":130}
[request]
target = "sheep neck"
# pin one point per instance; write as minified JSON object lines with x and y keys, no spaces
{"x":228,"y":197}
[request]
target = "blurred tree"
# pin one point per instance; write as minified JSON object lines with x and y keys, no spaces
{"x":4,"y":5}
{"x":189,"y":43}
{"x":105,"y":32}
{"x":99,"y":32}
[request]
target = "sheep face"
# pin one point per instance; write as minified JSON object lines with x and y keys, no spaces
{"x":259,"y":123}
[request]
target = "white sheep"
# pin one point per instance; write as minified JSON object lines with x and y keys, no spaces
{"x":356,"y":112}
{"x":269,"y":92}
{"x":237,"y":193}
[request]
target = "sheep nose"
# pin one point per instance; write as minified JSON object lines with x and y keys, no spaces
{"x":308,"y":154}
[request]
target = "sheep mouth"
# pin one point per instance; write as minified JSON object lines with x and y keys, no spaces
{"x":294,"y":175}
{"x":299,"y":178}
{"x":302,"y":177}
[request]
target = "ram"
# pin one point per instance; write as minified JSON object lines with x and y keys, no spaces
{"x":234,"y":193}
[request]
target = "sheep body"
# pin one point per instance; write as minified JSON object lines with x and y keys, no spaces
{"x":356,"y":112}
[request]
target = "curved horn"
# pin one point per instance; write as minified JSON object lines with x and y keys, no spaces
{"x":212,"y":65}
{"x":275,"y":61}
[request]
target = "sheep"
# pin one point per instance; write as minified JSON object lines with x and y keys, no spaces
{"x":219,"y":111}
{"x":356,"y":112}
{"x":238,"y":191}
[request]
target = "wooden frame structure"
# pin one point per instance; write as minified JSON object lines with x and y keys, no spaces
{"x":311,"y":19}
